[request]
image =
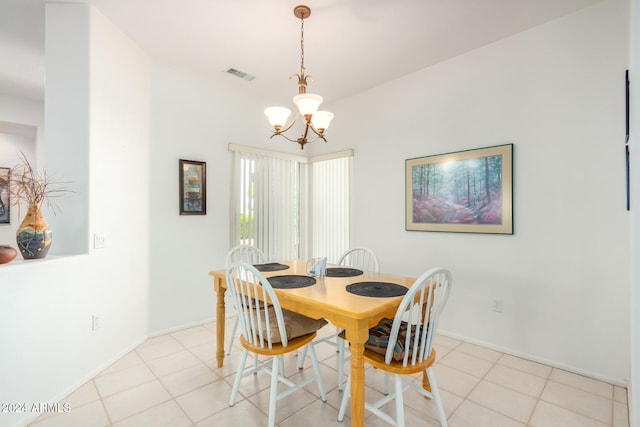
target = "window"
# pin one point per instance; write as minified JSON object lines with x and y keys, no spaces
{"x":290,"y":207}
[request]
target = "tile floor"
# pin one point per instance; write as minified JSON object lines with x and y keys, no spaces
{"x":172,"y":381}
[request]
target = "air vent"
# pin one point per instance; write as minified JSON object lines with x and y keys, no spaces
{"x":238,"y":73}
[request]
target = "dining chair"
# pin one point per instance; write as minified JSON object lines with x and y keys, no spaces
{"x":400,"y":348}
{"x":250,"y":255}
{"x":361,"y":258}
{"x":269,"y":331}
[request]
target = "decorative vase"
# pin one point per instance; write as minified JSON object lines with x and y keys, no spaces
{"x":7,"y":254}
{"x":34,"y":236}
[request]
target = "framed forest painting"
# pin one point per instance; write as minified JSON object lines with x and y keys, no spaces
{"x":466,"y":191}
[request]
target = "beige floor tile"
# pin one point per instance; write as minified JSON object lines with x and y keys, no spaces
{"x":466,"y":363}
{"x":172,"y":363}
{"x":415,"y":400}
{"x":454,"y":381}
{"x":444,"y":341}
{"x":85,"y":394}
{"x":620,"y":394}
{"x":159,"y":349}
{"x":123,"y":379}
{"x":549,"y":415}
{"x":207,"y":351}
{"x":514,"y":379}
{"x":206,"y":401}
{"x":130,"y":359}
{"x":286,"y":406}
{"x":189,"y":379}
{"x":242,"y":414}
{"x":503,"y":400}
{"x":126,"y":403}
{"x":620,"y":415}
{"x":583,"y":383}
{"x":582,"y":402}
{"x":479,"y":352}
{"x":167,"y":414}
{"x":89,"y":415}
{"x":194,"y":339}
{"x":524,"y":365}
{"x":471,"y":414}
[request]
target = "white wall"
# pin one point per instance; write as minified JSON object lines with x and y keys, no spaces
{"x":48,"y":347}
{"x":556,"y":92}
{"x":634,"y":141}
{"x":193,"y":118}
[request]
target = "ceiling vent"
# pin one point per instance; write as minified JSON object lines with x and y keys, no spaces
{"x":238,"y":73}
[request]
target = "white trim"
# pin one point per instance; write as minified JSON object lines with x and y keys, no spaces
{"x":332,"y":156}
{"x":285,"y":156}
{"x":268,"y":153}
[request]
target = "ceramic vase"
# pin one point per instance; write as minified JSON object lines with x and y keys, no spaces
{"x":34,"y":236}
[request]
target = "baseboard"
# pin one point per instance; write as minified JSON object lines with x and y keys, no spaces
{"x":554,"y":364}
{"x":30,"y":417}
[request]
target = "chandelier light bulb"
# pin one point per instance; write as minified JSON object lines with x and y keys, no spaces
{"x":277,"y":116}
{"x":307,"y":103}
{"x":321,"y":120}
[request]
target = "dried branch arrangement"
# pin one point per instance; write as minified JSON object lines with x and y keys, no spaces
{"x":27,"y":185}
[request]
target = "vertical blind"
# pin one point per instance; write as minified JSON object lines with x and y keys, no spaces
{"x":288,"y":206}
{"x":330,"y":210}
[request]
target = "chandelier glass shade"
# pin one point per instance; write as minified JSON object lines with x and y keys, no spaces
{"x":315,"y":122}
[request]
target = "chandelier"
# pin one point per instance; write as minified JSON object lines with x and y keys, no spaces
{"x":307,"y":103}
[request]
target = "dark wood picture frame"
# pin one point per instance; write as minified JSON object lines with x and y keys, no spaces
{"x":463,"y":192}
{"x":193,"y":187}
{"x":5,"y":203}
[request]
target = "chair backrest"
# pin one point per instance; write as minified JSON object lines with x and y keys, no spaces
{"x":360,"y":257}
{"x":259,"y":311}
{"x":245,"y":253}
{"x":421,"y":306}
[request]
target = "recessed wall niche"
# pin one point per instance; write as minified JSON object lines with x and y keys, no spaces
{"x":14,"y":138}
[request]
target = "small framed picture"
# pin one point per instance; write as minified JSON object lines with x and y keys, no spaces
{"x":193,"y":187}
{"x":5,"y":205}
{"x":466,"y":191}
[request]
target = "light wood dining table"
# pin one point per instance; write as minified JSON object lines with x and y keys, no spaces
{"x":329,"y":299}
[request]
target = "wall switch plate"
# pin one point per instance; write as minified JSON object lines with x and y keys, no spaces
{"x":95,"y":322}
{"x":99,"y":241}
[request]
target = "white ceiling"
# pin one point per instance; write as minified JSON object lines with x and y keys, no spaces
{"x":350,"y":45}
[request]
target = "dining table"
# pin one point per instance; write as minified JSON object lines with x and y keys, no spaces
{"x":350,"y":299}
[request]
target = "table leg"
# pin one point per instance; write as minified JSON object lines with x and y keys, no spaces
{"x":220,"y":318}
{"x":357,"y":340}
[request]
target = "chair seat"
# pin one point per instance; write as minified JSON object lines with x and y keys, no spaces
{"x":277,"y":348}
{"x":395,"y":366}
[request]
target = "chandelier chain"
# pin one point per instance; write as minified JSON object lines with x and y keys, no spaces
{"x":302,"y":42}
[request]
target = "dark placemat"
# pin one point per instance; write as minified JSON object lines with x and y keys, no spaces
{"x":271,"y":266}
{"x":291,"y":281}
{"x":377,"y":289}
{"x":343,"y":272}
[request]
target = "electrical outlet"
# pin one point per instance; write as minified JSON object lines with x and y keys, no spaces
{"x":95,"y":322}
{"x":497,"y":305}
{"x":99,"y":241}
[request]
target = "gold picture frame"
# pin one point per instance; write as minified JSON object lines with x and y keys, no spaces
{"x":462,"y":192}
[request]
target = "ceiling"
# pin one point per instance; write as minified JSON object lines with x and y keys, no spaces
{"x":350,"y":45}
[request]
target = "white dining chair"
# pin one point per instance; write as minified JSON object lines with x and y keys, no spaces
{"x":400,"y":348}
{"x":363,"y":259}
{"x":250,"y":255}
{"x":269,"y":331}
